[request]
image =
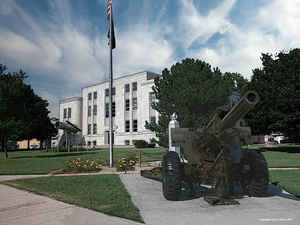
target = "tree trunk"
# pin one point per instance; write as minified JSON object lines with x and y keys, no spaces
{"x":41,"y":144}
{"x":28,"y":144}
{"x":4,"y":146}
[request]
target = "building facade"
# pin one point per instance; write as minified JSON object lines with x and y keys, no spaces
{"x":131,"y":107}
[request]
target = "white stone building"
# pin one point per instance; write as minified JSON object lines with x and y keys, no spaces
{"x":132,"y":97}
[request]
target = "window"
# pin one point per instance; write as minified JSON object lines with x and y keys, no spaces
{"x":95,"y":110}
{"x":152,"y":119}
{"x":151,"y":98}
{"x":127,"y":104}
{"x":89,"y":129}
{"x":134,"y":86}
{"x":113,"y":110}
{"x":90,"y":96}
{"x":134,"y":103}
{"x":127,"y":142}
{"x":94,"y":128}
{"x":65,"y":113}
{"x":135,"y":126}
{"x":69,"y":112}
{"x":106,"y":110}
{"x":127,"y":126}
{"x":94,"y":143}
{"x":95,"y":94}
{"x":127,"y":88}
{"x":89,"y":143}
{"x":89,"y":110}
{"x":107,"y":91}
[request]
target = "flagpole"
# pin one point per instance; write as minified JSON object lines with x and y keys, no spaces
{"x":111,"y":151}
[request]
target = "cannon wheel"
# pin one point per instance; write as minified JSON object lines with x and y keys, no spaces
{"x":171,"y":184}
{"x":256,"y":181}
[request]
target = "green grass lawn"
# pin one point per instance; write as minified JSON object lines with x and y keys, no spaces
{"x":282,"y":159}
{"x":42,"y":162}
{"x":103,"y":193}
{"x":280,"y":155}
{"x":289,"y":180}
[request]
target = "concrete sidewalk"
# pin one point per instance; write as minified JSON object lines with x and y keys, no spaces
{"x":278,"y":208}
{"x":23,"y":208}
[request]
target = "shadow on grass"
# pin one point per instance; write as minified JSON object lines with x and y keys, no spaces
{"x":287,"y":149}
{"x":54,"y":155}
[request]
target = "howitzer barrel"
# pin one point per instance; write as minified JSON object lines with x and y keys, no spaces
{"x":247,"y":102}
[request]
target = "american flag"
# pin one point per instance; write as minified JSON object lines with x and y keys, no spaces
{"x":109,"y":4}
{"x":109,"y":14}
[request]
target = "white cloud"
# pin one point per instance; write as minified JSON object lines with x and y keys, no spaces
{"x":59,"y":46}
{"x":197,"y":27}
{"x":142,"y":48}
{"x":282,"y":16}
{"x":58,"y":49}
{"x":19,"y":49}
{"x":271,"y":29}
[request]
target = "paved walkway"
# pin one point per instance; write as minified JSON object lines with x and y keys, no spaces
{"x":23,"y":208}
{"x":19,"y":207}
{"x":276,"y":209}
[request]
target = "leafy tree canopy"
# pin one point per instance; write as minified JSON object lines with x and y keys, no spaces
{"x":193,"y":90}
{"x":23,"y":114}
{"x":278,"y":84}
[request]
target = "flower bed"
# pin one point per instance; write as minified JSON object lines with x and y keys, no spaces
{"x":127,"y":163}
{"x":85,"y":165}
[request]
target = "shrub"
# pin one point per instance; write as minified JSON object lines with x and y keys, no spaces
{"x":144,"y":144}
{"x":127,"y":163}
{"x":141,"y":144}
{"x":85,"y":165}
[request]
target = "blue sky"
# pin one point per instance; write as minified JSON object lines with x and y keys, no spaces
{"x":62,"y":44}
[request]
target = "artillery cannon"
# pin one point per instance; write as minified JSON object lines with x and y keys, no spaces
{"x":213,"y":155}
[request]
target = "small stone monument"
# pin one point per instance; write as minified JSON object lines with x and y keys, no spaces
{"x":173,"y":124}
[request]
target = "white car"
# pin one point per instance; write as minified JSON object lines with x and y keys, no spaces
{"x":279,"y":138}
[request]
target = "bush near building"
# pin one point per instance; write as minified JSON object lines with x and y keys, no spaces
{"x":144,"y":144}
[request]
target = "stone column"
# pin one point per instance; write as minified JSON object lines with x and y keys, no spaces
{"x":173,"y":124}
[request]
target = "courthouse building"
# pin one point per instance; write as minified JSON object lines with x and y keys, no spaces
{"x":131,"y":106}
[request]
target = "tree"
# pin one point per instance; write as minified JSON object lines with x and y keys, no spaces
{"x":278,"y":84}
{"x":11,"y":107}
{"x":23,"y":114}
{"x":193,"y":90}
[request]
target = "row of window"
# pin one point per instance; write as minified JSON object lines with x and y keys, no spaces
{"x":113,"y":92}
{"x":127,"y":127}
{"x":90,"y":129}
{"x":127,"y":104}
{"x":67,"y":113}
{"x":90,"y":95}
{"x":126,"y":142}
{"x":127,"y":108}
{"x":134,"y":125}
{"x":90,"y":110}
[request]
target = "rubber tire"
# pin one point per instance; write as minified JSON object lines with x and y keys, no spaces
{"x":256,"y":182}
{"x":172,"y":179}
